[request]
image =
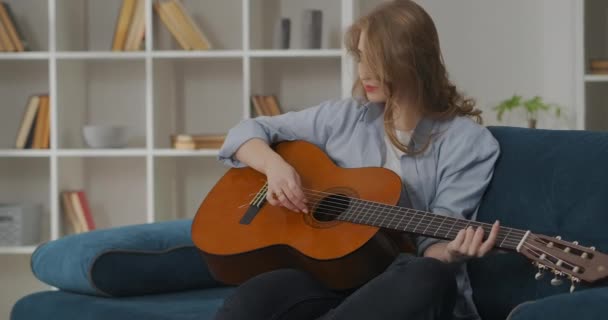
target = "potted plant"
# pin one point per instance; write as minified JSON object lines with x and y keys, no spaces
{"x":532,"y":106}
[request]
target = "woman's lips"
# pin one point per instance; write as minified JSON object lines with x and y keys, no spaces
{"x":369,"y":88}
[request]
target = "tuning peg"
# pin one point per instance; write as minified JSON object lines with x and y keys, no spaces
{"x":558,"y":237}
{"x":556,"y":281}
{"x":575,"y":242}
{"x":592,"y":248}
{"x":573,"y":281}
{"x":540,"y":273}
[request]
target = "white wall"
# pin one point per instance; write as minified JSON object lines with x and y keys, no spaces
{"x":494,"y":48}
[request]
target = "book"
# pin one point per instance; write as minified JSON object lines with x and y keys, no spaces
{"x":27,"y":123}
{"x":70,"y":213}
{"x":171,"y":23}
{"x":258,"y":105}
{"x":272,"y":105}
{"x":137,"y":27}
{"x":83,"y":203}
{"x":122,"y":24}
{"x":5,"y":39}
{"x":11,"y":16}
{"x":42,"y":119}
{"x":312,"y":29}
{"x":197,"y":141}
{"x":266,"y":105}
{"x":196,"y":38}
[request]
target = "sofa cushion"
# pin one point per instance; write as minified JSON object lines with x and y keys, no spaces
{"x":185,"y":305}
{"x":585,"y":305}
{"x":124,"y":261}
{"x":553,"y":182}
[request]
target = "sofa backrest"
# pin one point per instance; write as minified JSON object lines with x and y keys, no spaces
{"x":551,"y":182}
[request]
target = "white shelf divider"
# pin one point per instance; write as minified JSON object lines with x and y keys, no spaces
{"x":596,"y":78}
{"x":18,"y":250}
{"x":141,"y":152}
{"x":186,"y":153}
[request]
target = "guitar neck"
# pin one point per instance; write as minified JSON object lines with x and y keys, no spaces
{"x":423,"y":223}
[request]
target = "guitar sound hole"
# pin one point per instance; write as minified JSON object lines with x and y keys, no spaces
{"x":331,"y":207}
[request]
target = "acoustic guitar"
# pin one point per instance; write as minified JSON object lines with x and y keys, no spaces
{"x":342,"y":240}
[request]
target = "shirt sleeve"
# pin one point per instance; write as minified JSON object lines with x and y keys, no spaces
{"x":312,"y":124}
{"x":465,"y":168}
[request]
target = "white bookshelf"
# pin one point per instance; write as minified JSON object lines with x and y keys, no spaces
{"x":591,"y":33}
{"x":157,"y":91}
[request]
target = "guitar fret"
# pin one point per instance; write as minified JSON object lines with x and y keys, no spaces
{"x":424,"y":216}
{"x":506,"y":236}
{"x":430,"y":223}
{"x":373,"y":210}
{"x":401,"y":219}
{"x":444,"y":219}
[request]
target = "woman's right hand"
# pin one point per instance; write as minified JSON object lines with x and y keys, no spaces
{"x":284,"y":185}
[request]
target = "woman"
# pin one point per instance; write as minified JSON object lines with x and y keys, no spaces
{"x":405,"y":115}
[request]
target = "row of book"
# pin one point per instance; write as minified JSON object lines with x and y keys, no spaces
{"x":11,"y":37}
{"x":266,"y":105}
{"x":130,"y":27}
{"x":598,"y":66}
{"x":197,"y":141}
{"x":35,"y":129}
{"x":186,"y":32}
{"x":77,"y":211}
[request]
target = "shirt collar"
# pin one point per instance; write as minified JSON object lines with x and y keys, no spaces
{"x":422,"y":133}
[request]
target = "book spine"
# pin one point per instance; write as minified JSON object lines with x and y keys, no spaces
{"x":86,"y":210}
{"x":282,"y":34}
{"x":313,"y":29}
{"x":9,"y":24}
{"x":20,"y":34}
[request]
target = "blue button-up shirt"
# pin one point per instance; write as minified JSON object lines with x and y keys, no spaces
{"x":448,"y":178}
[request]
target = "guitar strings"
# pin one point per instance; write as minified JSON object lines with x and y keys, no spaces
{"x":396,"y":214}
{"x":318,"y":195}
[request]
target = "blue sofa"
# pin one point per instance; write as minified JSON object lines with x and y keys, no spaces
{"x":551,"y":182}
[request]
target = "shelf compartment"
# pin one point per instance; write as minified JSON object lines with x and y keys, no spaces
{"x":86,"y":25}
{"x":220,"y":22}
{"x":29,"y":184}
{"x":102,"y":93}
{"x":181,"y":184}
{"x":180,"y":87}
{"x":265,"y":14}
{"x":32,"y":19}
{"x":293,"y":81}
{"x":115,"y":189}
{"x":18,"y":81}
{"x":596,"y":115}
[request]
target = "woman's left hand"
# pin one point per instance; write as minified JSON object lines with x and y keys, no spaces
{"x":468,"y":244}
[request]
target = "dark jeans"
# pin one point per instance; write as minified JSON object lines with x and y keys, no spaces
{"x":410,"y":288}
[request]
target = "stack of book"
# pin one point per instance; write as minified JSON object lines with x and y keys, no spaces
{"x":130,"y":26}
{"x":35,"y":130}
{"x":11,"y":37}
{"x":197,"y":141}
{"x":266,"y":105}
{"x":77,"y":211}
{"x":181,"y":25}
{"x":599,"y":66}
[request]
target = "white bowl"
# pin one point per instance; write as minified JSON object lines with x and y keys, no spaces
{"x":105,"y":136}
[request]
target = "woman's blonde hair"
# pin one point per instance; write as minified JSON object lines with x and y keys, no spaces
{"x":402,"y":52}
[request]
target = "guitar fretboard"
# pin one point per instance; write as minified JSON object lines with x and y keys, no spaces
{"x":422,"y":223}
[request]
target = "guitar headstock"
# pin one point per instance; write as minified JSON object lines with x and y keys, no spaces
{"x":565,"y":258}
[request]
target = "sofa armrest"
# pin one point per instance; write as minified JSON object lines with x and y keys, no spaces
{"x":590,"y":304}
{"x":124,"y":261}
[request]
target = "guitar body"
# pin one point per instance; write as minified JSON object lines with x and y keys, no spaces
{"x":240,"y":240}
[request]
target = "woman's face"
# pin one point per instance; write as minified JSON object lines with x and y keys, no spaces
{"x":373,"y":88}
